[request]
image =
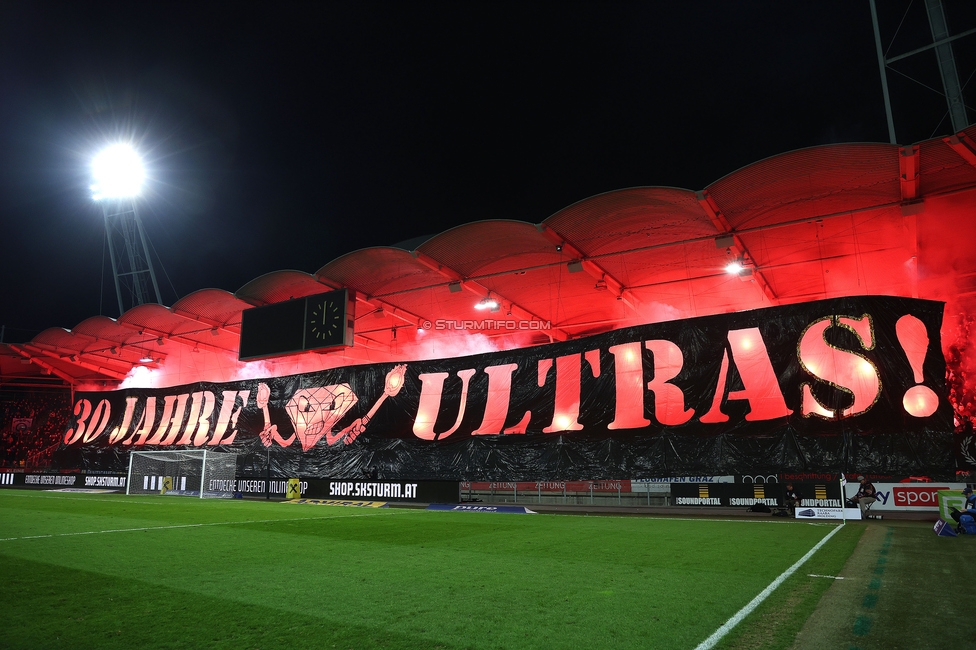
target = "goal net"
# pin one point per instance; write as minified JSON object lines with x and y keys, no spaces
{"x":195,"y":473}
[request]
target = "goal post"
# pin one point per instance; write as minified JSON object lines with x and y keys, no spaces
{"x":196,"y":473}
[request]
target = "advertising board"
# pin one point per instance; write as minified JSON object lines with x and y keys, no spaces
{"x":908,"y":497}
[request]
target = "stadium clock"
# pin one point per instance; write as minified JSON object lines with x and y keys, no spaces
{"x":325,"y":320}
{"x":324,"y":323}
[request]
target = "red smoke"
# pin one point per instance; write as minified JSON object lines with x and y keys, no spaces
{"x":961,"y":369}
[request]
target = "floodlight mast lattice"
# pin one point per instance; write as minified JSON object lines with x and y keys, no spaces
{"x":941,"y":43}
{"x":118,"y":174}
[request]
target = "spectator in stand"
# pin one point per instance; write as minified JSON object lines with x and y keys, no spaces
{"x":32,"y":443}
{"x":865,"y":498}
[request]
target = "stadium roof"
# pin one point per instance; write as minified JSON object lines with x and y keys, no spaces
{"x":823,"y":222}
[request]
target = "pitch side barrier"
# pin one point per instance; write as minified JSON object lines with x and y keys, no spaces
{"x":697,"y":491}
{"x":355,"y":489}
{"x":716,"y":491}
{"x":63,"y":480}
{"x":703,"y":490}
{"x":604,"y":493}
{"x":277,"y":488}
{"x":820,"y":495}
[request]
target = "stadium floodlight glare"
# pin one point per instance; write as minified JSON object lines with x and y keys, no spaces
{"x":117,"y":173}
{"x":734,"y":268}
{"x":487,"y":303}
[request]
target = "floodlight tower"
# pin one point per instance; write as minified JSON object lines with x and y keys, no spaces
{"x":118,"y":174}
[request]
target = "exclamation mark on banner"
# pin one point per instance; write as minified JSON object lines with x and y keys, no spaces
{"x":920,"y":401}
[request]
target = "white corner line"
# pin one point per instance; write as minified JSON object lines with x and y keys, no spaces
{"x":754,"y":603}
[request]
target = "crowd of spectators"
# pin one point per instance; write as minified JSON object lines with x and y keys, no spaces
{"x":962,"y":379}
{"x":32,"y":425}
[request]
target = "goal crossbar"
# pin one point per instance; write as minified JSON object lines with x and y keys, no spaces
{"x":197,"y":473}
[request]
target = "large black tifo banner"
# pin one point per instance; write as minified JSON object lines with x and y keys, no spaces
{"x":852,"y":384}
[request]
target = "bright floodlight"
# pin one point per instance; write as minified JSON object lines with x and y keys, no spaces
{"x":117,"y":172}
{"x":734,"y":268}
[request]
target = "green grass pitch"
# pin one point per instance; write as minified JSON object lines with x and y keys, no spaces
{"x":111,"y":571}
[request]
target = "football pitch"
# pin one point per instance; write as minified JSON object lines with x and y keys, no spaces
{"x":116,"y":571}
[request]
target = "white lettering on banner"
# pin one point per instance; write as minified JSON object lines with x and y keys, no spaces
{"x":823,"y":513}
{"x":104,"y":481}
{"x":501,"y":486}
{"x":822,"y":503}
{"x":738,"y":501}
{"x":281,"y":487}
{"x":642,"y":371}
{"x":250,"y":486}
{"x":551,"y":486}
{"x":918,"y":497}
{"x":369,"y":489}
{"x":49,"y":479}
{"x":663,"y":485}
{"x":697,"y":501}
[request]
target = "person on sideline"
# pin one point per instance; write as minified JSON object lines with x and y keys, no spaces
{"x":865,"y":498}
{"x":969,"y":508}
{"x":791,"y":499}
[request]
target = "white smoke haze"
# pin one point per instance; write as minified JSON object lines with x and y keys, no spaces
{"x":140,"y":377}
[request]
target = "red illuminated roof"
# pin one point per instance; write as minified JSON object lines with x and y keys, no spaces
{"x":811,"y":224}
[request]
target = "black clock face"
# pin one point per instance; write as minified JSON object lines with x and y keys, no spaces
{"x":324,"y":322}
{"x":314,"y":322}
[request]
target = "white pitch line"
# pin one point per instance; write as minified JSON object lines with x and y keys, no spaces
{"x":745,"y":611}
{"x":689,"y":518}
{"x":100,"y":498}
{"x":174,"y":526}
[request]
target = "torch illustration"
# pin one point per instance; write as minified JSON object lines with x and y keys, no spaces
{"x":269,"y":433}
{"x":315,"y":411}
{"x":394,"y":382}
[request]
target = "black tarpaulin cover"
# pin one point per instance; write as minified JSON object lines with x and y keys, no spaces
{"x":852,"y":384}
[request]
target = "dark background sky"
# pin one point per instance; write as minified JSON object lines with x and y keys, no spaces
{"x":282,"y":135}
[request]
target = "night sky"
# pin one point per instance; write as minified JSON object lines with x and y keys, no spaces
{"x":282,"y":135}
